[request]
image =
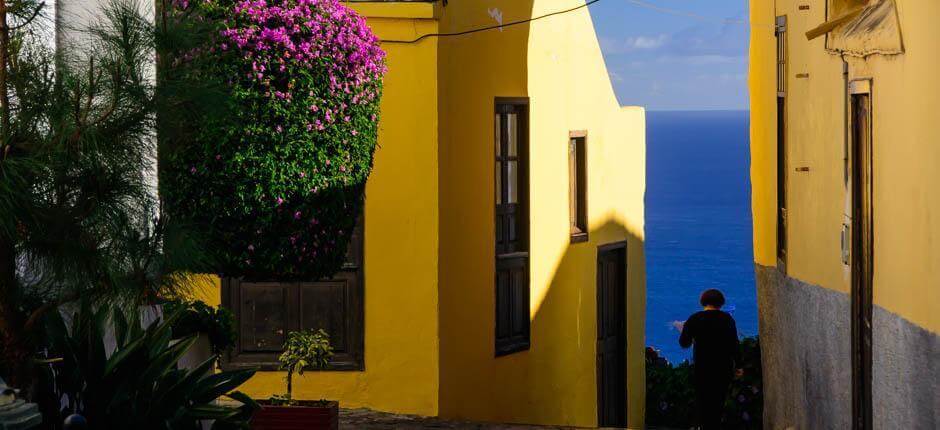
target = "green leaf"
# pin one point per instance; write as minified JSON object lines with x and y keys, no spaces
{"x":218,"y":384}
{"x":211,"y":412}
{"x":167,"y":359}
{"x":121,"y":354}
{"x":120,"y":328}
{"x":244,"y":399}
{"x":181,"y":391}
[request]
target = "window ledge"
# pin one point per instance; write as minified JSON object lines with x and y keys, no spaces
{"x":579,"y":237}
{"x":507,"y":349}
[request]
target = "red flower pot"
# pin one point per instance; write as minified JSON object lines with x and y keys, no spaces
{"x":306,"y":415}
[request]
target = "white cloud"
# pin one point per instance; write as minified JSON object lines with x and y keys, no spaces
{"x":698,"y":60}
{"x":632,"y":43}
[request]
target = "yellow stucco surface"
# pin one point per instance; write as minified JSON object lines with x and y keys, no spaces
{"x":557,"y":64}
{"x":429,"y":235}
{"x":906,"y":157}
{"x":401,"y":215}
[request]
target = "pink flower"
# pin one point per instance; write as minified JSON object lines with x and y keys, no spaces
{"x":280,"y":201}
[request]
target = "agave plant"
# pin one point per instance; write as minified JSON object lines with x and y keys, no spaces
{"x":138,"y":386}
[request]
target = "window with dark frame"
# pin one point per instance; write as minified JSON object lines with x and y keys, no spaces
{"x":266,"y":311}
{"x":512,"y":224}
{"x":781,"y":34}
{"x":577,"y":185}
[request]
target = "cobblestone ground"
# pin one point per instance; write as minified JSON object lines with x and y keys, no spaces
{"x":371,"y":420}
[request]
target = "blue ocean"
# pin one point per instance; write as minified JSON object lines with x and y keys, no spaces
{"x":698,"y":221}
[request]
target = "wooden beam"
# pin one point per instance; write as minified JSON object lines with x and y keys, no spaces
{"x":832,"y":24}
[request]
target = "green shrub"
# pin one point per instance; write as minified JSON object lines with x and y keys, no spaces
{"x":670,"y":395}
{"x":138,"y":386}
{"x":197,"y":317}
{"x":277,"y":186}
{"x":744,"y":408}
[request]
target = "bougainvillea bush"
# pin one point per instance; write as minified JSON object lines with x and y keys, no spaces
{"x":278,"y":185}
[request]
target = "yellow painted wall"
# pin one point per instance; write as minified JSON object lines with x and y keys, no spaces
{"x":905,"y":105}
{"x":763,"y":93}
{"x":557,"y":63}
{"x":429,"y":304}
{"x":401,"y":231}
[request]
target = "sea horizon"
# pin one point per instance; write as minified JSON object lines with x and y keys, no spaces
{"x":698,"y":220}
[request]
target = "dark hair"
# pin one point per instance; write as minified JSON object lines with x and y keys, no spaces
{"x":712,"y":297}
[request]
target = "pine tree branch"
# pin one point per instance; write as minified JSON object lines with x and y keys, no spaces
{"x":41,"y":311}
{"x":4,"y":63}
{"x":31,"y":18}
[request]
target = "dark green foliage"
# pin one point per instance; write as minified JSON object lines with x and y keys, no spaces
{"x":78,"y":210}
{"x":277,"y":185}
{"x":138,"y":386}
{"x":670,"y":395}
{"x":744,"y":408}
{"x":197,"y":318}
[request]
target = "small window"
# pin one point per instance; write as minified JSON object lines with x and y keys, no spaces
{"x":266,"y":311}
{"x":512,"y":225}
{"x":577,"y":185}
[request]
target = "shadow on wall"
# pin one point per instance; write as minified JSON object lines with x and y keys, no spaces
{"x":567,"y":349}
{"x":555,"y":381}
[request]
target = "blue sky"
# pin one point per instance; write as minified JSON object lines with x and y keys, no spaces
{"x":675,"y":54}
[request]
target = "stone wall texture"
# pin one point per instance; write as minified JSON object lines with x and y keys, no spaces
{"x":805,"y":335}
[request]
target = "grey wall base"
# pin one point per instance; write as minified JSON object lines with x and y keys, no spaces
{"x":805,"y":334}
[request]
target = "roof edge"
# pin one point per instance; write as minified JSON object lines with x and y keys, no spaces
{"x":399,"y":9}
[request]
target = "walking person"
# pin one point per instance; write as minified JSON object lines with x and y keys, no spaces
{"x":716,"y":356}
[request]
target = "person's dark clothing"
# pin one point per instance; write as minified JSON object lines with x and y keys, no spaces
{"x":715,"y":354}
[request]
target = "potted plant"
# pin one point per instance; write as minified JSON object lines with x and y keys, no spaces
{"x":304,"y":350}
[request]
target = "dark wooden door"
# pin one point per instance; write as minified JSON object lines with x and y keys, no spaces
{"x":612,"y":336}
{"x":862,"y":262}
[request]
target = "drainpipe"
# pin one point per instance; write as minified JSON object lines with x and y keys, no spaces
{"x":847,"y":212}
{"x":845,"y":120}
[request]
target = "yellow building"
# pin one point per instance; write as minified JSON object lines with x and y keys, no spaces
{"x":845,"y":169}
{"x":504,"y":210}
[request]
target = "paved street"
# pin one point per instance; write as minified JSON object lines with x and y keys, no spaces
{"x":371,"y":420}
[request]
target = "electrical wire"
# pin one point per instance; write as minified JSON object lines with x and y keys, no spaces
{"x":637,"y":3}
{"x":492,"y":27}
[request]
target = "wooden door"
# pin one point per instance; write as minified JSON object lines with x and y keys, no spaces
{"x":862,"y":261}
{"x":612,"y":336}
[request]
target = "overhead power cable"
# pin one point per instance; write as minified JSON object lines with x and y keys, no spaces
{"x":637,"y":3}
{"x":492,"y":27}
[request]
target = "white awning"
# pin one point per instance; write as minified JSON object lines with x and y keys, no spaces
{"x":863,"y":31}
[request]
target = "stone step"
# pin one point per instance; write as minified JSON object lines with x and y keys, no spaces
{"x":19,"y":415}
